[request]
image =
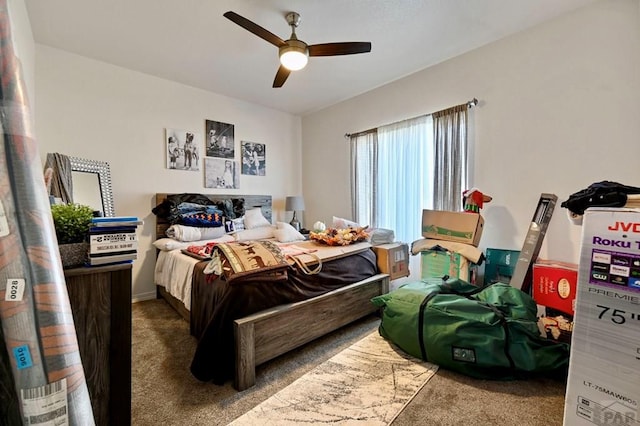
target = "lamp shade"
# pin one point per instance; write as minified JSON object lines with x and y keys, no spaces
{"x":295,"y":203}
{"x":294,"y":55}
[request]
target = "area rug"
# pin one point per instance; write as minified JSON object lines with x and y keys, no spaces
{"x":368,"y":383}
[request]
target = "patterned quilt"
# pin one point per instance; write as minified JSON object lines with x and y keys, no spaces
{"x":245,"y":260}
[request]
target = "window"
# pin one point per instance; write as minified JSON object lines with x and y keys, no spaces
{"x":402,"y":168}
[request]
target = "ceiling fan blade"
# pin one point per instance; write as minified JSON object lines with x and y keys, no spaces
{"x":254,"y":28}
{"x":333,"y":49}
{"x":281,"y":76}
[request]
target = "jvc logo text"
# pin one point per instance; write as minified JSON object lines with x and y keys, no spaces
{"x":625,"y":227}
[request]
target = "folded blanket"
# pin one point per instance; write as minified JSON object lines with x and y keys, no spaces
{"x":194,"y":233}
{"x":469,"y":252}
{"x":202,"y":252}
{"x":243,"y":261}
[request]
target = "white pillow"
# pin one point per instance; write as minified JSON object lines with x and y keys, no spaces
{"x":254,"y":219}
{"x":341,"y":223}
{"x":261,"y":233}
{"x":286,"y":233}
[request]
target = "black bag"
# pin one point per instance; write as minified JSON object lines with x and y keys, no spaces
{"x":599,"y":194}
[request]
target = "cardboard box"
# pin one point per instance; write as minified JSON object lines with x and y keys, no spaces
{"x":555,"y":285}
{"x":393,"y":259}
{"x":438,"y":263}
{"x":460,"y":227}
{"x":603,"y":386}
{"x":499,"y":265}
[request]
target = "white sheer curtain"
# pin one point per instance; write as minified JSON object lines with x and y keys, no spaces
{"x":405,"y":167}
{"x":405,"y":176}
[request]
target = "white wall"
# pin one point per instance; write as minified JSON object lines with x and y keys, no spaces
{"x":558,"y":111}
{"x":93,"y":110}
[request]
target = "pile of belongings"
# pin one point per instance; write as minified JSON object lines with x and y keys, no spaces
{"x":601,"y":194}
{"x":461,"y":255}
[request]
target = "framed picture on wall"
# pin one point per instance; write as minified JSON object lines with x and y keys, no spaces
{"x":221,"y":173}
{"x":254,"y":158}
{"x":219,"y":139}
{"x":183,"y":148}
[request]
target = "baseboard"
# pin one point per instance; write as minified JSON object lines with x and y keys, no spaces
{"x":143,"y":296}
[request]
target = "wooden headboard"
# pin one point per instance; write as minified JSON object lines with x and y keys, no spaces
{"x":250,"y":202}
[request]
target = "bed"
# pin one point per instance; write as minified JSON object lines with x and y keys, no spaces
{"x":244,"y":325}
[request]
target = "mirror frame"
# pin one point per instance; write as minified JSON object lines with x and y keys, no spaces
{"x":100,"y":168}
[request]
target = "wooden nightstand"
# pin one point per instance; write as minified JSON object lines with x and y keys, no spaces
{"x":100,"y":299}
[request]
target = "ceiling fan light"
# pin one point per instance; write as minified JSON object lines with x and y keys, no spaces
{"x":294,"y":56}
{"x":294,"y":61}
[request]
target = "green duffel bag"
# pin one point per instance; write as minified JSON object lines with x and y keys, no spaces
{"x":486,"y":332}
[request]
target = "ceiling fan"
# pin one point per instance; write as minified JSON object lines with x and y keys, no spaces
{"x":295,"y":53}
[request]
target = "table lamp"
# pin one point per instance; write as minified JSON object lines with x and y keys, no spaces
{"x":294,"y":204}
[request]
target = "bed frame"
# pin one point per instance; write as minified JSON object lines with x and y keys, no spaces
{"x":270,"y":333}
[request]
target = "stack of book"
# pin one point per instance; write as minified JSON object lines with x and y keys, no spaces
{"x":113,"y":240}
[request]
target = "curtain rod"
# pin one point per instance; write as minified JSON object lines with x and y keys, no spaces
{"x":473,"y":102}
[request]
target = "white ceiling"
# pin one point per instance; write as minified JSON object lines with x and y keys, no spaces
{"x":189,"y":41}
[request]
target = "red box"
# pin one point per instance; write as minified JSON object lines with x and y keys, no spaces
{"x":555,"y":284}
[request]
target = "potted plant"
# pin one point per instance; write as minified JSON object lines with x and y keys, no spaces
{"x":72,"y":223}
